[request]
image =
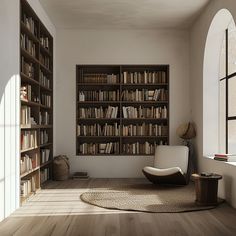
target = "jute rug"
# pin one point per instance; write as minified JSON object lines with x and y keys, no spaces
{"x":146,"y":198}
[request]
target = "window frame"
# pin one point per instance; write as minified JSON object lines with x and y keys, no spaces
{"x":227,"y":78}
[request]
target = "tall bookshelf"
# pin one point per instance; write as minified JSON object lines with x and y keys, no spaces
{"x":36,"y":66}
{"x":121,"y":109}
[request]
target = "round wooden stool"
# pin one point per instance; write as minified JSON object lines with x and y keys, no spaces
{"x":206,"y":187}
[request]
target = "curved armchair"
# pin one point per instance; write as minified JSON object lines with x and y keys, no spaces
{"x":170,"y":166}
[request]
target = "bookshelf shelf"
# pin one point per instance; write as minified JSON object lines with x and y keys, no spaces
{"x":36,"y":48}
{"x":45,"y":145}
{"x":45,"y":51}
{"x":45,"y":88}
{"x":144,"y":102}
{"x":99,"y":102}
{"x":29,"y":56}
{"x":29,"y":103}
{"x":29,"y":172}
{"x":26,"y":79}
{"x":137,"y":105}
{"x":29,"y":149}
{"x":24,"y":199}
{"x":45,"y":164}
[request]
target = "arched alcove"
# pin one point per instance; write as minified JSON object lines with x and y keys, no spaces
{"x":211,"y":74}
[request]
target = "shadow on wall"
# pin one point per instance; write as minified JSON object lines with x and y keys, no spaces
{"x":9,"y":146}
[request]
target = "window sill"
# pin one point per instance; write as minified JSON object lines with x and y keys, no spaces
{"x":231,"y":163}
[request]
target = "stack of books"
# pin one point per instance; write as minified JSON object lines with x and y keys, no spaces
{"x":80,"y":175}
{"x":225,"y":157}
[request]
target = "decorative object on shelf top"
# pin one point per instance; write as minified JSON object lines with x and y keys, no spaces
{"x":186,"y":131}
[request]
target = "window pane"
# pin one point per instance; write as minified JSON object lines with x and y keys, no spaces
{"x":232,"y":136}
{"x":232,"y":96}
{"x":222,"y":117}
{"x":222,"y":72}
{"x":232,"y":47}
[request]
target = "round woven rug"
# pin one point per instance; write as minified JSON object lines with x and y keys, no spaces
{"x":146,"y":198}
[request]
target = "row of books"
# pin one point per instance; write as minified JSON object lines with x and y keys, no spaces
{"x":126,"y":95}
{"x":28,"y":163}
{"x":128,"y":112}
{"x":44,"y":137}
{"x":141,"y":148}
{"x":98,"y":130}
{"x":145,"y":112}
{"x":27,"y":68}
{"x":145,"y":130}
{"x":44,"y":175}
{"x":28,"y":139}
{"x":46,"y":100}
{"x":30,"y":24}
{"x":99,"y":95}
{"x":99,"y":112}
{"x":100,"y":78}
{"x":145,"y":77}
{"x":44,"y":118}
{"x":25,"y":116}
{"x":127,"y":130}
{"x":44,"y":80}
{"x":44,"y":60}
{"x":99,"y":148}
{"x":44,"y":41}
{"x":144,"y":95}
{"x":45,"y":155}
{"x":28,"y":45}
{"x":146,"y":148}
{"x":27,"y":186}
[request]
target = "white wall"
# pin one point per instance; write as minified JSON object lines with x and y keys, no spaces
{"x":117,"y":47}
{"x":9,"y":107}
{"x":198,"y":36}
{"x":9,"y":101}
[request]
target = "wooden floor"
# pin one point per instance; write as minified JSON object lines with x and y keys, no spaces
{"x":57,"y":210}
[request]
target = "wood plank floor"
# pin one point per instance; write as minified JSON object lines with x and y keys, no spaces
{"x":57,"y":210}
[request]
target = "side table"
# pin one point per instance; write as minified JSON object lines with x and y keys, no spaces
{"x":206,"y":188}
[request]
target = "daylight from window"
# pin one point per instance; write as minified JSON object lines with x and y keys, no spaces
{"x":227,"y":91}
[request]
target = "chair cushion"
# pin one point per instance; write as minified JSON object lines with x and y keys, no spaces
{"x":171,"y":156}
{"x":162,"y":172}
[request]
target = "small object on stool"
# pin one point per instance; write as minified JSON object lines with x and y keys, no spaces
{"x":206,"y":186}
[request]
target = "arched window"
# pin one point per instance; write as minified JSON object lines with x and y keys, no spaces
{"x":219,"y":86}
{"x":227,"y":91}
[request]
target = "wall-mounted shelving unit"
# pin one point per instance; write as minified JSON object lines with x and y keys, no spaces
{"x":121,"y":109}
{"x":36,"y":66}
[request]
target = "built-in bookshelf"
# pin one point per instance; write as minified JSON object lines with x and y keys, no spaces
{"x":36,"y":93}
{"x":121,"y":109}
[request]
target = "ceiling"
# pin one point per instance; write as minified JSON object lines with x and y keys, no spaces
{"x":123,"y":14}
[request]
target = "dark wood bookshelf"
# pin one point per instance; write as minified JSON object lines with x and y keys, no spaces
{"x":35,"y":40}
{"x":93,"y":81}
